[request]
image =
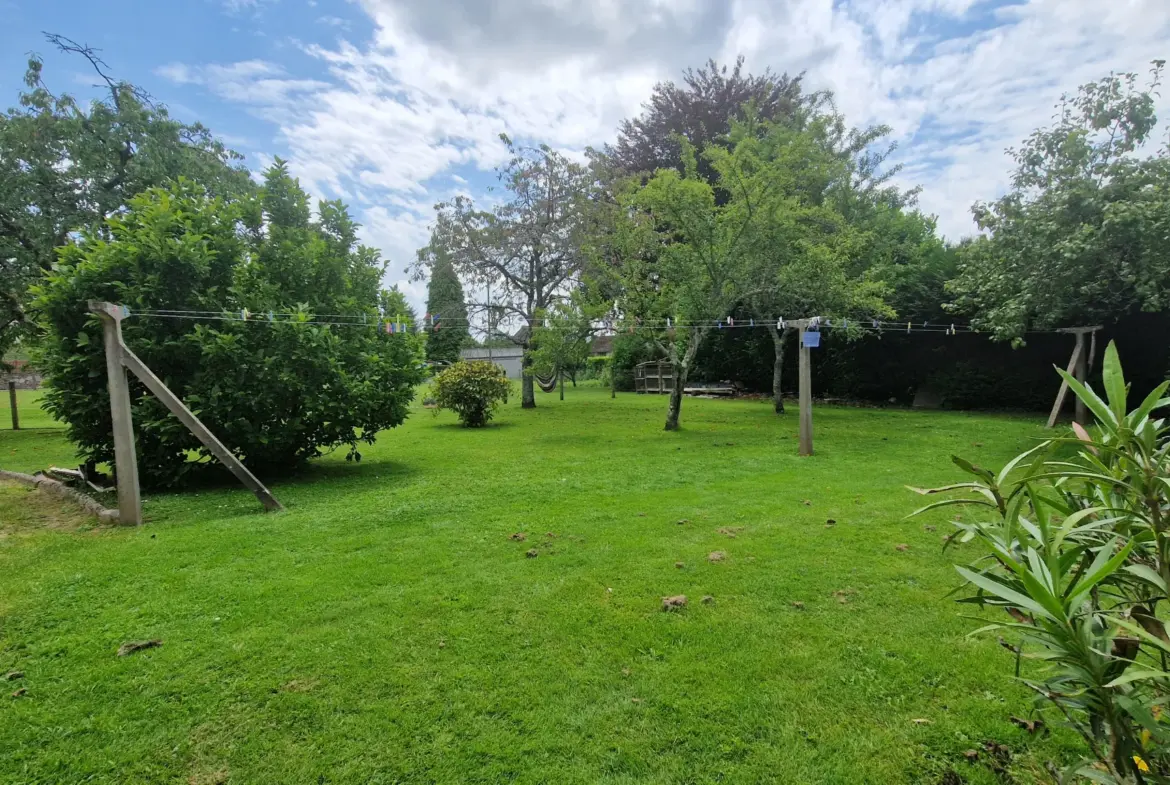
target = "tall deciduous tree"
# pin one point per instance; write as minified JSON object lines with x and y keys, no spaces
{"x":66,"y":167}
{"x":1081,"y":237}
{"x":448,"y":309}
{"x":700,"y":111}
{"x":528,"y":248}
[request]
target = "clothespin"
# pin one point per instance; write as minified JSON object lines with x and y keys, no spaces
{"x":846,"y":324}
{"x":952,"y":329}
{"x":924,"y":324}
{"x":907,"y":328}
{"x":780,"y":322}
{"x":730,"y":322}
{"x":753,"y":322}
{"x":388,"y":326}
{"x":244,"y":314}
{"x":271,"y":317}
{"x":668,"y":322}
{"x":875,"y":323}
{"x":125,"y":312}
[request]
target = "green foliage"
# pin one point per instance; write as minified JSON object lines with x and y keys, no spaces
{"x":1078,"y":554}
{"x":445,"y":299}
{"x":275,"y":392}
{"x":561,"y":341}
{"x":473,"y":390}
{"x":65,"y":167}
{"x":1079,"y":239}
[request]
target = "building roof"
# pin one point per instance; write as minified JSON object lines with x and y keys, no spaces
{"x":600,"y":345}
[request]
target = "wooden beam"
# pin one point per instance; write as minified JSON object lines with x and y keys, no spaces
{"x":12,"y":404}
{"x":805,"y":386}
{"x":125,"y":459}
{"x":188,"y":418}
{"x":1080,"y":372}
{"x":1072,"y":365}
{"x":1077,"y":368}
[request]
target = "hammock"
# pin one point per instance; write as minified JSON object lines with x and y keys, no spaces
{"x":548,"y":384}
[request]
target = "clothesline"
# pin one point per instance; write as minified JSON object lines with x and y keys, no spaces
{"x":435,"y":322}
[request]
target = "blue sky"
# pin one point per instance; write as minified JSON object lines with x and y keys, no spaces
{"x":393,"y":105}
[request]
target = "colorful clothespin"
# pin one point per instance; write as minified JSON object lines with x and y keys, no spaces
{"x":244,"y":314}
{"x":125,"y":312}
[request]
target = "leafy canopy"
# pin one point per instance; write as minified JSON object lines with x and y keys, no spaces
{"x":1080,"y":237}
{"x":276,"y":392}
{"x":66,"y":167}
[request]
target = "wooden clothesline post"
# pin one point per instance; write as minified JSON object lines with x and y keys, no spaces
{"x":1078,"y":367}
{"x":805,"y":387}
{"x":119,"y":359}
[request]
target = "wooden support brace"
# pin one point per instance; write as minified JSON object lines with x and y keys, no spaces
{"x":188,"y":418}
{"x":118,"y":359}
{"x":1078,"y":366}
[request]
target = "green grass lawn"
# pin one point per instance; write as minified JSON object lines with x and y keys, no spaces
{"x":386,"y":629}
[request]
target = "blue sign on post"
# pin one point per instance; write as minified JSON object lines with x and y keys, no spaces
{"x":812,"y":339}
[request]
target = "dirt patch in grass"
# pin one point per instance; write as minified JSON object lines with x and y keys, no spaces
{"x":24,"y":510}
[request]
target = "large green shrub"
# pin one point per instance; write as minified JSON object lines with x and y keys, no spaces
{"x":276,"y":391}
{"x":473,"y":390}
{"x":1077,"y":552}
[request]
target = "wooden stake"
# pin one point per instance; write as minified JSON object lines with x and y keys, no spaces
{"x":806,"y":424}
{"x":12,"y":403}
{"x":125,"y":460}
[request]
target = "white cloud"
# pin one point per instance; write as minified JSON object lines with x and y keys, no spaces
{"x":958,"y":80}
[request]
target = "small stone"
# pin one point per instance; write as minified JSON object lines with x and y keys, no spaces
{"x":518,"y":537}
{"x":708,"y":599}
{"x":798,"y":605}
{"x":549,"y":534}
{"x":635,"y":700}
{"x":921,"y":721}
{"x":641,"y":515}
{"x":807,"y":502}
{"x":681,"y":521}
{"x":674,"y":603}
{"x":679,"y":564}
{"x":14,"y":675}
{"x":532,"y":553}
{"x":716,"y":556}
{"x":830,"y":522}
{"x":625,"y":671}
{"x":442,"y":644}
{"x":928,"y":528}
{"x":902,"y":547}
{"x":19,"y":692}
{"x":971,"y":755}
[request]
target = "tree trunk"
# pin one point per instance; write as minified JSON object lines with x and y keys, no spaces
{"x":562,"y":385}
{"x":612,"y":379}
{"x":778,"y":342}
{"x":527,"y":394}
{"x":680,"y":371}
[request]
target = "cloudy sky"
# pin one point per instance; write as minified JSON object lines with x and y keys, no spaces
{"x":396,"y":104}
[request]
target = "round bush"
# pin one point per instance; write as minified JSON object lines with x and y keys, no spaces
{"x":472,"y":390}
